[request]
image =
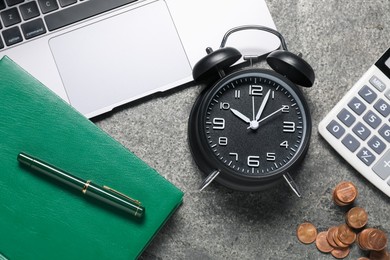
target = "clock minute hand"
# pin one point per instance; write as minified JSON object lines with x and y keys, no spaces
{"x":262,"y":106}
{"x":240,"y":115}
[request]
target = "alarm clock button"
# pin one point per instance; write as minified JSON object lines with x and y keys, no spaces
{"x":292,"y":66}
{"x":210,"y":65}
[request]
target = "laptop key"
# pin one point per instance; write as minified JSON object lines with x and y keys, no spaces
{"x":12,"y":36}
{"x":64,"y":3}
{"x":33,"y":28}
{"x":1,"y":43}
{"x":14,"y":2}
{"x":81,"y":11}
{"x":48,"y":6}
{"x":29,"y":10}
{"x":2,"y":5}
{"x":10,"y":17}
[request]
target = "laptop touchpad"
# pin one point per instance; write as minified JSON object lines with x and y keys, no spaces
{"x":120,"y":59}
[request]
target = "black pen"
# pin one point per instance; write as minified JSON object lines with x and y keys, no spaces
{"x":104,"y":193}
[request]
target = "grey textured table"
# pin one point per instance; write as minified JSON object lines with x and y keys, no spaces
{"x":340,"y":39}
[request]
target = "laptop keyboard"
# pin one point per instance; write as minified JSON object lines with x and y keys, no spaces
{"x":23,"y":20}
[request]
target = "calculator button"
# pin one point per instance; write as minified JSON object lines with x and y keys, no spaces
{"x":382,"y":167}
{"x":361,"y":131}
{"x":335,"y":129}
{"x":377,"y":83}
{"x":372,"y":119}
{"x":382,"y":107}
{"x":376,"y":144}
{"x":346,"y":117}
{"x":368,"y":94}
{"x":351,"y":142}
{"x":366,"y":156}
{"x":357,"y":106}
{"x":384,"y":131}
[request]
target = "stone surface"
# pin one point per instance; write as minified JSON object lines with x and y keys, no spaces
{"x":341,"y":40}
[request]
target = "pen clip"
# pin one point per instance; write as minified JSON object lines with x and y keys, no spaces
{"x":121,"y":194}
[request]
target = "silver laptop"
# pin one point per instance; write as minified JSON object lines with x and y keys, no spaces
{"x":100,"y":54}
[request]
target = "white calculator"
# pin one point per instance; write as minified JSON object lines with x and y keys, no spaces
{"x":358,"y":127}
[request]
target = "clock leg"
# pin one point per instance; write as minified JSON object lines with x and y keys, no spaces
{"x":293,"y":185}
{"x":208,"y":179}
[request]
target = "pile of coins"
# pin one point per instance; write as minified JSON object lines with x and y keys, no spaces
{"x":337,"y":240}
{"x":372,"y":239}
{"x":345,"y":193}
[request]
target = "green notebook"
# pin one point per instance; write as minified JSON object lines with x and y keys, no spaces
{"x":41,"y":218}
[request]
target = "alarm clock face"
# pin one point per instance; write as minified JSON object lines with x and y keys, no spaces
{"x":253,"y":126}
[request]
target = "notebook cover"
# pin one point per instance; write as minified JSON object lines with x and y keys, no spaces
{"x":41,"y":218}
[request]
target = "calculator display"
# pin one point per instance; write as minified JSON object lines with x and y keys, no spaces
{"x":384,"y":63}
{"x":387,"y":62}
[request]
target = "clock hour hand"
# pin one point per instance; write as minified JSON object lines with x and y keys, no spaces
{"x":240,"y":115}
{"x":262,"y":106}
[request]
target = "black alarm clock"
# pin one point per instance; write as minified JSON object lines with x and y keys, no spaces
{"x":250,"y":128}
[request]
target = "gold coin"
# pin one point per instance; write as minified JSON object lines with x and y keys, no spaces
{"x":356,"y":217}
{"x":322,"y":242}
{"x":345,"y":193}
{"x":306,"y":233}
{"x":340,"y":253}
{"x":346,"y":234}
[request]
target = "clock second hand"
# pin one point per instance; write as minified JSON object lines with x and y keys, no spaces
{"x":264,"y":118}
